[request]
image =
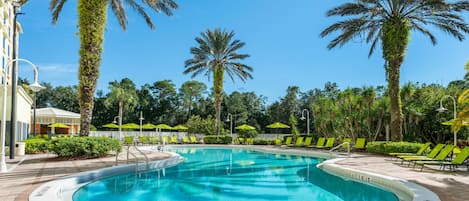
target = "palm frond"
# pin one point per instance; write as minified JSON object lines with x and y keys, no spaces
{"x":55,"y":6}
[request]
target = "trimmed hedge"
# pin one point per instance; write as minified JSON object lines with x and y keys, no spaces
{"x":213,"y":139}
{"x":260,"y":141}
{"x":88,"y":147}
{"x":35,"y":146}
{"x":380,"y":147}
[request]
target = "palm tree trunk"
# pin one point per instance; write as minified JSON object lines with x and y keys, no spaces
{"x":91,"y":24}
{"x":395,"y":39}
{"x":218,"y":93}
{"x":121,"y":111}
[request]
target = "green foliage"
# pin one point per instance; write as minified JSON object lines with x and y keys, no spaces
{"x":247,"y":133}
{"x":35,"y":146}
{"x":260,"y":141}
{"x":380,"y":147}
{"x":88,"y":147}
{"x":198,"y":125}
{"x":213,"y":139}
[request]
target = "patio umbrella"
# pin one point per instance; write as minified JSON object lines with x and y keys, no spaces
{"x":277,"y":125}
{"x":110,"y":125}
{"x":245,"y":127}
{"x":164,"y":126}
{"x":58,"y":125}
{"x":148,"y":126}
{"x":130,"y":126}
{"x":180,"y":127}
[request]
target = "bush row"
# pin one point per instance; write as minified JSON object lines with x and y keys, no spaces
{"x":213,"y":139}
{"x":380,"y":147}
{"x":88,"y":147}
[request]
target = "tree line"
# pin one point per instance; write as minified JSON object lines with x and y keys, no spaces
{"x":334,"y":112}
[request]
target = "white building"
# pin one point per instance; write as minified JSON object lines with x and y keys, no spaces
{"x":24,"y":102}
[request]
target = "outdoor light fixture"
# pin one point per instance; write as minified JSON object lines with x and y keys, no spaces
{"x":35,"y":85}
{"x":229,"y":118}
{"x":307,"y":119}
{"x":443,"y":109}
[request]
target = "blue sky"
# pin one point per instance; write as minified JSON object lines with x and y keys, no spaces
{"x":282,"y":38}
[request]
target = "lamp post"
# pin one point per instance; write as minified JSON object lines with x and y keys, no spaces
{"x":141,"y":120}
{"x":307,"y":119}
{"x":35,"y":87}
{"x":35,"y":84}
{"x":229,"y":118}
{"x":443,"y":109}
{"x":120,"y":125}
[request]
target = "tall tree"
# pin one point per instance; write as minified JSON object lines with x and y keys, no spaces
{"x":124,"y":94}
{"x":191,"y":91}
{"x":92,"y":16}
{"x":390,"y":23}
{"x":216,"y":55}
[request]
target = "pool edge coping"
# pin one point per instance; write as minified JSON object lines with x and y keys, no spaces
{"x":63,"y":188}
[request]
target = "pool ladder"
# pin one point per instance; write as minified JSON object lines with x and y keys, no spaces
{"x":341,"y":145}
{"x":131,"y":153}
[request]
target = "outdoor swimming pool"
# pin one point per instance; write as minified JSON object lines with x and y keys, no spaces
{"x":233,"y":175}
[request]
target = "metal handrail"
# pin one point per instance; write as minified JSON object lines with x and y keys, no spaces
{"x":129,"y":152}
{"x":144,"y":155}
{"x":340,"y":145}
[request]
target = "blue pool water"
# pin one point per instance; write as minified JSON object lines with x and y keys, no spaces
{"x":233,"y":175}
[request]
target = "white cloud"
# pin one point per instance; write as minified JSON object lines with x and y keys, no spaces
{"x":58,"y":68}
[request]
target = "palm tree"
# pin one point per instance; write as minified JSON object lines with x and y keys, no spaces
{"x":92,"y":15}
{"x":217,"y":55}
{"x":124,"y":94}
{"x":390,"y":22}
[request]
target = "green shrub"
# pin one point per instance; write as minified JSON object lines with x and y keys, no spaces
{"x":206,"y":126}
{"x":88,"y":147}
{"x":392,"y":147}
{"x":213,"y":139}
{"x":35,"y":145}
{"x":260,"y":141}
{"x":247,"y":133}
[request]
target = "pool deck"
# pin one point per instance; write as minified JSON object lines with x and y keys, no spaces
{"x":30,"y":171}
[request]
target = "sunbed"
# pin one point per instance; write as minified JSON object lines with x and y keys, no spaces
{"x":174,"y":140}
{"x":288,"y":141}
{"x":360,"y":143}
{"x":459,"y":160}
{"x":432,"y":153}
{"x":320,"y":142}
{"x":298,"y":143}
{"x":308,"y":141}
{"x":194,"y":140}
{"x":186,"y":140}
{"x":444,"y":153}
{"x":329,"y":143}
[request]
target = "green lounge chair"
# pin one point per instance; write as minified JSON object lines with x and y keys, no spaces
{"x":320,"y":142}
{"x":278,"y":141}
{"x":298,"y":143}
{"x":250,"y":141}
{"x":240,"y":140}
{"x":422,"y":150}
{"x":143,"y":139}
{"x":459,"y":160}
{"x":308,"y":141}
{"x":153,"y":140}
{"x":432,"y":153}
{"x":194,"y":140}
{"x":360,"y":143}
{"x":128,"y":140}
{"x":288,"y":141}
{"x":329,"y":143}
{"x":166,"y":140}
{"x":174,"y":140}
{"x":186,"y":140}
{"x":444,"y":153}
